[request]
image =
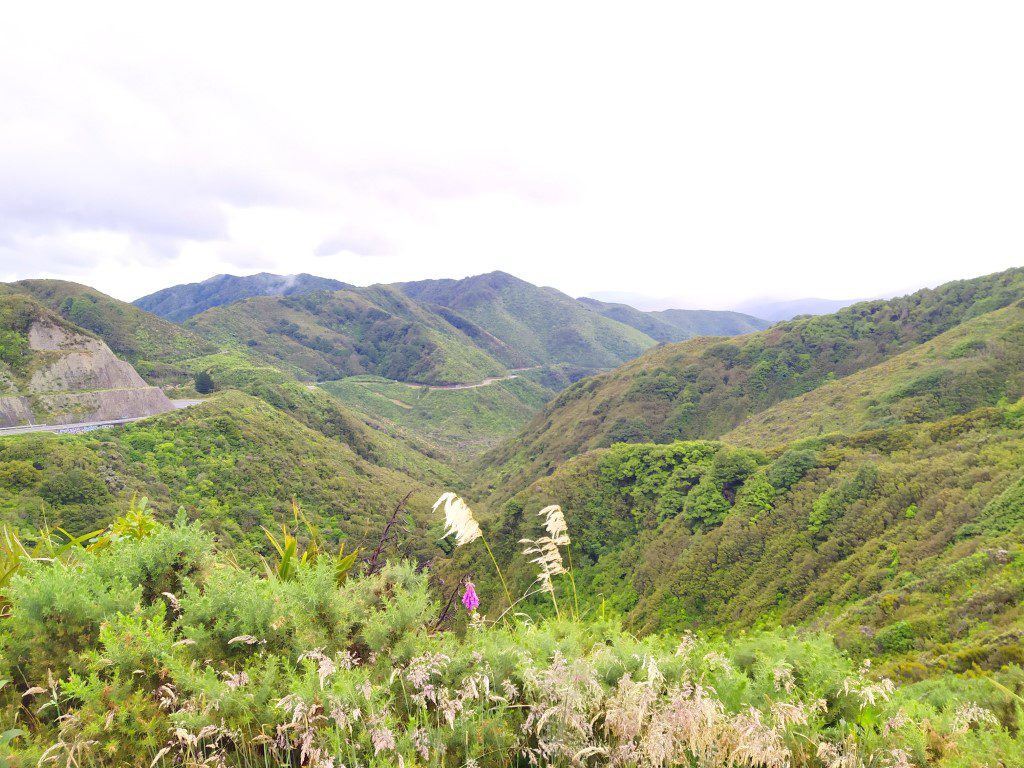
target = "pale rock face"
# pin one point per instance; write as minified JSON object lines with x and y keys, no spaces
{"x":15,"y":411}
{"x":78,"y":379}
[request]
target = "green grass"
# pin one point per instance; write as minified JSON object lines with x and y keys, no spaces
{"x":459,"y":422}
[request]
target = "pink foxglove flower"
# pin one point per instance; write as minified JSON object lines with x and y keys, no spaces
{"x":470,"y":599}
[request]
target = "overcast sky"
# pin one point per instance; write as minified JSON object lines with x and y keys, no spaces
{"x":709,"y":152}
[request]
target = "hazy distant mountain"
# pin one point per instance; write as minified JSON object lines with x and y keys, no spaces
{"x":787,"y":310}
{"x":181,"y":302}
{"x":678,"y":324}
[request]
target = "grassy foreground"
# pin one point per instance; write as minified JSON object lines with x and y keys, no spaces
{"x":146,"y":645}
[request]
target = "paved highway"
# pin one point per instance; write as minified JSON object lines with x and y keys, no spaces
{"x":83,"y":426}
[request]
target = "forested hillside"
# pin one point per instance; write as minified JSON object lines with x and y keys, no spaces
{"x":329,"y":335}
{"x":904,"y":541}
{"x":706,"y":387}
{"x":884,"y":504}
{"x":180,"y":302}
{"x":541,"y":323}
{"x":234,"y":462}
{"x":678,"y":324}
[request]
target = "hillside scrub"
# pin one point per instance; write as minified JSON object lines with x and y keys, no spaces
{"x":235,"y":462}
{"x":147,"y":646}
{"x":705,"y":387}
{"x":917,"y":527}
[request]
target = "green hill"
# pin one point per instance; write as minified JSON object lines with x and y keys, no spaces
{"x":329,"y":335}
{"x":904,"y":541}
{"x":234,"y":462}
{"x":54,"y":372}
{"x":706,"y":387}
{"x":977,"y":363}
{"x":170,"y":355}
{"x":544,"y":325}
{"x":678,"y":324}
{"x":150,"y":343}
{"x":884,"y":505}
{"x":180,"y":302}
{"x":433,"y":332}
{"x":459,"y":423}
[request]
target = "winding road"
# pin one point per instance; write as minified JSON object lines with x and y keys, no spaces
{"x":84,"y":426}
{"x":513,"y":374}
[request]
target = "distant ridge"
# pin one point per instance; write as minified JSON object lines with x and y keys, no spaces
{"x":542,"y":323}
{"x":678,"y":324}
{"x":180,"y":302}
{"x":787,"y":310}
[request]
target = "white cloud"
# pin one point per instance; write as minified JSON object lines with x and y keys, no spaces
{"x":710,"y":152}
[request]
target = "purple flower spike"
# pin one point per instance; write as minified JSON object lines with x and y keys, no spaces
{"x":469,"y":599}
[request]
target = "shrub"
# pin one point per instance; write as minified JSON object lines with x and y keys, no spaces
{"x":790,"y":468}
{"x":896,"y":638}
{"x":74,"y":486}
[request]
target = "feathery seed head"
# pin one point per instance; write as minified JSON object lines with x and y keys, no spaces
{"x":554,"y":523}
{"x":458,"y":519}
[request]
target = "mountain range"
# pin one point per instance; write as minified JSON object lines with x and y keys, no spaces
{"x":433,"y":331}
{"x":859,"y":470}
{"x":180,"y":302}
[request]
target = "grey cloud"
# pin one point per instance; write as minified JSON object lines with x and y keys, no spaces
{"x":19,"y":258}
{"x":361,"y":243}
{"x":245,"y":258}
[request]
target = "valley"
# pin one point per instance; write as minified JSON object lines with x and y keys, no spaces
{"x":512,"y":386}
{"x":855,"y":477}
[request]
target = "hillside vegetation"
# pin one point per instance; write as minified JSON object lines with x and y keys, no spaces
{"x":180,"y":302}
{"x":151,"y":344}
{"x":678,"y":324}
{"x":459,"y":422}
{"x":904,"y":541}
{"x":798,"y":548}
{"x":53,"y":372}
{"x":234,"y":462}
{"x":330,"y":335}
{"x":977,"y":363}
{"x":543,"y":324}
{"x":706,"y":387}
{"x":145,"y":646}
